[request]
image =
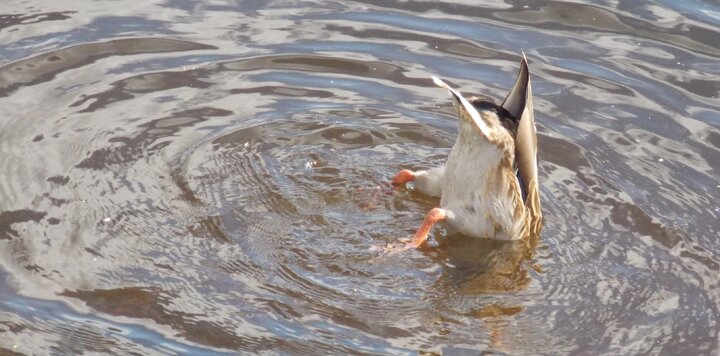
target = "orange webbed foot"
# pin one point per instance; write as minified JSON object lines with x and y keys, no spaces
{"x":431,"y":218}
{"x":403,"y":177}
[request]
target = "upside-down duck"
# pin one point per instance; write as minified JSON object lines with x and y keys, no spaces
{"x":488,"y":187}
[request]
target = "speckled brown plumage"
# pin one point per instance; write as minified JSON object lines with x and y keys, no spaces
{"x":488,"y":187}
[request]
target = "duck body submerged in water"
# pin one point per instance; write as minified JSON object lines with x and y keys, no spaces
{"x":488,"y":187}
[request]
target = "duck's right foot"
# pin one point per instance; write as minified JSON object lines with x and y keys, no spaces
{"x":403,"y":177}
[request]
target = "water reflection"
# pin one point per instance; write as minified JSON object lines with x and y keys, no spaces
{"x":477,"y":267}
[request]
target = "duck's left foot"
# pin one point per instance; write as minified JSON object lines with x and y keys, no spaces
{"x":433,"y":216}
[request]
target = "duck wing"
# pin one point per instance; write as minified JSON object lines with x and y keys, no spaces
{"x":519,"y":103}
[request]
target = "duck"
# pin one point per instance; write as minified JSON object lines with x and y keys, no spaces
{"x":488,"y":186}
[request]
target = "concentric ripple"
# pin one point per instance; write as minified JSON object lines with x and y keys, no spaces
{"x":304,"y":193}
{"x":302,"y":199}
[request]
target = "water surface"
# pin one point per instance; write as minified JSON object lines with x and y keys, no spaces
{"x":190,"y":177}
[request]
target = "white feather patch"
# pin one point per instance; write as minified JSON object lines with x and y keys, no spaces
{"x":484,"y":129}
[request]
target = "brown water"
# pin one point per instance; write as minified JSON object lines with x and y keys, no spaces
{"x":189,"y":177}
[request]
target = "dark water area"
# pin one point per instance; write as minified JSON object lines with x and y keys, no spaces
{"x":210,"y":177}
